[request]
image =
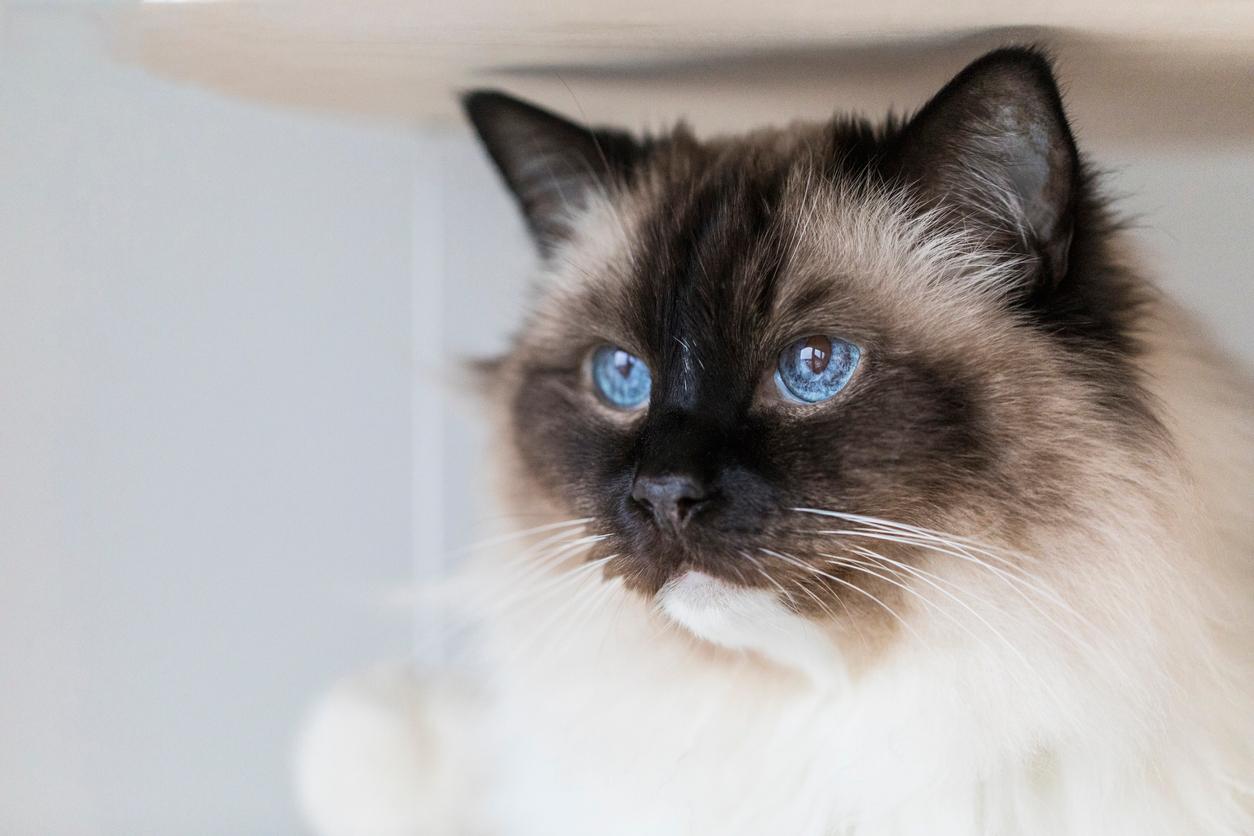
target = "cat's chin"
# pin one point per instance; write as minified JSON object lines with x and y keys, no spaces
{"x":744,"y":618}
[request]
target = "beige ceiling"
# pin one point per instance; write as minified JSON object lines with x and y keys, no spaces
{"x":1137,"y":71}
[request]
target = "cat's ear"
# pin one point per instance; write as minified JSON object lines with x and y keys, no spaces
{"x":994,"y":145}
{"x":551,"y":164}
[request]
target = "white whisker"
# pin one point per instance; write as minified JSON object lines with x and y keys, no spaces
{"x":571,"y":578}
{"x":516,"y":535}
{"x":931,"y":604}
{"x":806,"y":567}
{"x":1014,"y":579}
{"x":953,"y":539}
{"x":539,"y":558}
{"x":525,"y":592}
{"x":757,"y":564}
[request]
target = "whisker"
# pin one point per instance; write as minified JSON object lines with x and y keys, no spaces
{"x":1013,"y":648}
{"x":1010,"y":578}
{"x":612,"y":621}
{"x":549,"y":550}
{"x":516,"y":535}
{"x":572,"y":604}
{"x":917,"y":530}
{"x":471,"y":611}
{"x":1027,"y":586}
{"x":533,"y":562}
{"x":757,"y":564}
{"x":930,"y":603}
{"x":1065,"y":631}
{"x":532,"y":592}
{"x":826,"y":610}
{"x":1014,"y":582}
{"x":580,"y":615}
{"x":808,"y":568}
{"x":922,"y":574}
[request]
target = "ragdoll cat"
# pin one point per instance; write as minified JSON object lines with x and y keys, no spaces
{"x":876,"y":490}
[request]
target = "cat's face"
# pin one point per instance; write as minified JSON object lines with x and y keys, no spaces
{"x":777,"y":360}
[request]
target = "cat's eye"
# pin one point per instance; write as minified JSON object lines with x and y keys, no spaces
{"x":621,"y":379}
{"x":815,"y":368}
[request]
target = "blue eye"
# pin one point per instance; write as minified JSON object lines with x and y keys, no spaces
{"x":815,"y":368}
{"x":622,"y":379}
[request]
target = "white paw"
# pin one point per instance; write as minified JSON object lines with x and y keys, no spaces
{"x":387,"y":754}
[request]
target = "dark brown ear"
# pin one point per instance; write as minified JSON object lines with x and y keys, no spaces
{"x":994,"y":145}
{"x":550,"y":164}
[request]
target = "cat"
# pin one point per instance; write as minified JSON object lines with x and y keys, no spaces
{"x":878,"y":492}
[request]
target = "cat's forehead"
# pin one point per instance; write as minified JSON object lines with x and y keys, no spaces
{"x":760,"y":240}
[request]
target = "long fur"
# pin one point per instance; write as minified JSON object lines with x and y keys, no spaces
{"x":1082,"y":668}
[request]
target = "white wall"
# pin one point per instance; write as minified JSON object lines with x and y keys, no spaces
{"x":1191,"y":210}
{"x":222,"y":431}
{"x":205,"y":466}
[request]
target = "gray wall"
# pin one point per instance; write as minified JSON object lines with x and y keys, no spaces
{"x":1193,"y":212}
{"x":205,"y":382}
{"x":225,"y":334}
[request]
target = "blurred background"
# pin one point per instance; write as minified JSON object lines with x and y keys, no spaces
{"x":243,"y":247}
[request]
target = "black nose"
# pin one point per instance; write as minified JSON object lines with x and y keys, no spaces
{"x":670,"y":497}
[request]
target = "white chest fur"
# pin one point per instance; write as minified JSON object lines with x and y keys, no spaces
{"x":625,"y":725}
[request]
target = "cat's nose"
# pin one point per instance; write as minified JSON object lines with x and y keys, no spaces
{"x":671,"y":498}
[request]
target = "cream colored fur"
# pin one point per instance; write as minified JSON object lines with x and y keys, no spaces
{"x":1107,"y":688}
{"x":631,"y":725}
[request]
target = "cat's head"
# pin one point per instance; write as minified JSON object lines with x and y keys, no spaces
{"x":794,"y":362}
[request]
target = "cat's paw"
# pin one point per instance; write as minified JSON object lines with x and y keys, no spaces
{"x":388,"y":753}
